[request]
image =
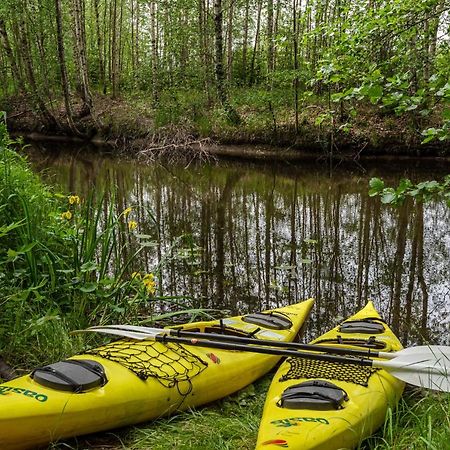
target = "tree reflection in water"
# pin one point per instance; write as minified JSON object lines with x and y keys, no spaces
{"x":264,"y":236}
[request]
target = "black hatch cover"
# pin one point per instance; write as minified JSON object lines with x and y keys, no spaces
{"x":314,"y":394}
{"x":362,"y":326}
{"x":272,"y":320}
{"x":73,"y":375}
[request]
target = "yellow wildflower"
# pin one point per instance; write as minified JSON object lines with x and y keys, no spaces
{"x":127,"y":211}
{"x":74,"y":200}
{"x":135,"y":276}
{"x":132,"y":225}
{"x":149,"y":283}
{"x":66,"y":215}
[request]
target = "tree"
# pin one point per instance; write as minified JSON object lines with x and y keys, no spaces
{"x":219,"y":70}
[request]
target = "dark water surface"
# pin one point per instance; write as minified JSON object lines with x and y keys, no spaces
{"x":264,"y":235}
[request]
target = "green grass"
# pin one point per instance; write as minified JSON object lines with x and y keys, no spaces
{"x":228,"y":424}
{"x":421,"y":422}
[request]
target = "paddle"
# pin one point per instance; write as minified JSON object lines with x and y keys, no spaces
{"x":425,"y":352}
{"x":432,"y":372}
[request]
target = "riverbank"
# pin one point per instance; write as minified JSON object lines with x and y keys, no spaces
{"x":189,"y":126}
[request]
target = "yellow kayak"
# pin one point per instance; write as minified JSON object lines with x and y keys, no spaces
{"x":131,"y":381}
{"x":318,"y":405}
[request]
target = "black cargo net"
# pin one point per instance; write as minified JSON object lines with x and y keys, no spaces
{"x":169,"y":363}
{"x":311,"y":368}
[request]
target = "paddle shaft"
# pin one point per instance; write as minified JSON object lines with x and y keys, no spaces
{"x":271,"y":343}
{"x":387,"y":365}
{"x":164,"y":338}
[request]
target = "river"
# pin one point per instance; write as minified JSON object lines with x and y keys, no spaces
{"x":258,"y":235}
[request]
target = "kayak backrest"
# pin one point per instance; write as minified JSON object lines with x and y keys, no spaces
{"x":313,"y":394}
{"x":368,"y":326}
{"x":74,"y":375}
{"x":272,"y":320}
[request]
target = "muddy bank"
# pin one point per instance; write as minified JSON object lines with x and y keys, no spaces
{"x":126,"y":129}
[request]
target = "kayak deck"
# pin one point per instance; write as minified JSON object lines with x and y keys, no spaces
{"x":317,"y":405}
{"x":140,"y":381}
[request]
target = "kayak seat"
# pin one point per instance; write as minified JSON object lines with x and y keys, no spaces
{"x":368,"y":326}
{"x":371,"y":342}
{"x":73,"y":375}
{"x":272,"y":320}
{"x":314,"y":394}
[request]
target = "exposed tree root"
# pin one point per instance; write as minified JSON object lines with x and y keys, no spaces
{"x":174,"y":145}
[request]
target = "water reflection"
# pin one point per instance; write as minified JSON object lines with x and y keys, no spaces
{"x":266,"y":236}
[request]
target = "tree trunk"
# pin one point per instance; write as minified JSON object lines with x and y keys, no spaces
{"x":203,"y":44}
{"x":10,"y":55}
{"x":79,"y":46}
{"x":100,"y":49}
{"x":220,"y":74}
{"x":220,"y":79}
{"x":245,"y":43}
{"x":230,"y":41}
{"x":255,"y":46}
{"x":36,"y":97}
{"x":295,"y":50}
{"x":154,"y":45}
{"x":62,"y":65}
{"x":270,"y":37}
{"x":275,"y":33}
{"x":114,"y":50}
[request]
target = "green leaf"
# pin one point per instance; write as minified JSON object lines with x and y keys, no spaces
{"x":12,"y":253}
{"x":404,"y":185}
{"x":389,"y":196}
{"x":376,"y":186}
{"x":88,"y":266}
{"x":337,"y":97}
{"x":27,"y":247}
{"x":88,"y":287}
{"x":375,"y":92}
{"x":335,"y":78}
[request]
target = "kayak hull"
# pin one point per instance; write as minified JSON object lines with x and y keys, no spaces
{"x":181,"y":377}
{"x":307,"y":426}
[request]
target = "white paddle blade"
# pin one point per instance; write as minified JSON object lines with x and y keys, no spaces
{"x":420,"y":352}
{"x":431,"y":372}
{"x":117,"y":332}
{"x":137,"y":328}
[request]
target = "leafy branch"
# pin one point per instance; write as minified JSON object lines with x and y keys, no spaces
{"x":424,"y":191}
